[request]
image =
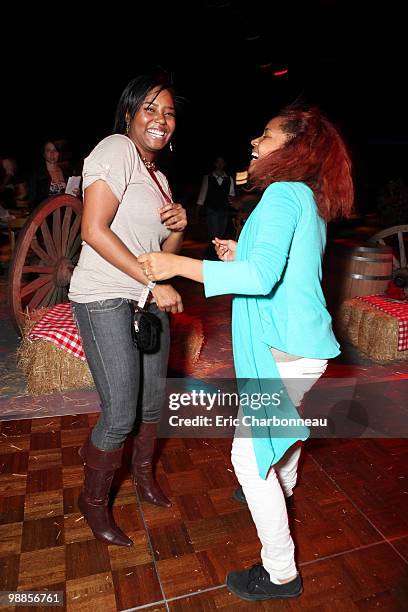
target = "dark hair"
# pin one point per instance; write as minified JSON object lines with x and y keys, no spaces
{"x":133,"y":95}
{"x":57,"y":142}
{"x":314,"y":154}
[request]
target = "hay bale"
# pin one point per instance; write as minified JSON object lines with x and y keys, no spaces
{"x":187,"y":339}
{"x":50,"y":369}
{"x":372,"y":331}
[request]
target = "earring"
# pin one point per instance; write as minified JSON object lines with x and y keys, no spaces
{"x":127,"y":126}
{"x":171,"y":147}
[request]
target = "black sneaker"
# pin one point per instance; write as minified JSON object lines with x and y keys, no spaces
{"x":254,"y":585}
{"x":239,"y":496}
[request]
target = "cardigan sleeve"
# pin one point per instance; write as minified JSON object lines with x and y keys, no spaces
{"x":257,"y":275}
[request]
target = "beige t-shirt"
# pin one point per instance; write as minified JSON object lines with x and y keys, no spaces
{"x":116,"y":161}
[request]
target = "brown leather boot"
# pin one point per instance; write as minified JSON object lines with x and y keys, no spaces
{"x":100,"y":466}
{"x":142,"y":468}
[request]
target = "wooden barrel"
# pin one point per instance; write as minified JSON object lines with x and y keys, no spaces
{"x":353,"y":270}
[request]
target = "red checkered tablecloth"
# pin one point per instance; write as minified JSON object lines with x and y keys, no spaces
{"x":58,"y":326}
{"x":396,"y":309}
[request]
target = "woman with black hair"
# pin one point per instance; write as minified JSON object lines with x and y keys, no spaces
{"x":49,"y":177}
{"x":127,"y":211}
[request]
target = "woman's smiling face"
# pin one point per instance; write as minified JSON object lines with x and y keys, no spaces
{"x":154,"y":123}
{"x":272,"y":139}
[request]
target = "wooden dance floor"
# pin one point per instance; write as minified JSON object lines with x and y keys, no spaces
{"x":350,"y":525}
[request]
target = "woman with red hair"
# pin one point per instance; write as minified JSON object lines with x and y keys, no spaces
{"x":280,"y":326}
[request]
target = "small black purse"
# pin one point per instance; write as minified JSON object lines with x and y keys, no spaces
{"x":146,"y":329}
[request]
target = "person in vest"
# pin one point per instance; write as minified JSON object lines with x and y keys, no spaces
{"x":216,"y":190}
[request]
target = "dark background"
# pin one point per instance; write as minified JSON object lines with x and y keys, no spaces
{"x":63,"y":74}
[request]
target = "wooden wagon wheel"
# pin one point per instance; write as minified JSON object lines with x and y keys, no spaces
{"x":396,"y":237}
{"x":45,"y":255}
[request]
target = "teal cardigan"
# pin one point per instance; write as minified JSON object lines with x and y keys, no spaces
{"x":278,"y":299}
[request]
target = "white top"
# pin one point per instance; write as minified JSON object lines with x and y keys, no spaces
{"x":116,"y":161}
{"x":204,"y":186}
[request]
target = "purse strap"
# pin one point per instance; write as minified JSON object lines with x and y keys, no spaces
{"x":145,"y":293}
{"x":156,"y":180}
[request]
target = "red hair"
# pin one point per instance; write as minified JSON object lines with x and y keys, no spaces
{"x":314,"y":154}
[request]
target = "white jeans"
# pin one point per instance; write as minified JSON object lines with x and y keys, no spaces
{"x":266,"y":498}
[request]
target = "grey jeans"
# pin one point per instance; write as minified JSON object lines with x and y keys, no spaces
{"x":125,"y":378}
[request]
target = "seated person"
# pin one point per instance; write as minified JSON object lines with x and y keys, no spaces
{"x":49,"y":177}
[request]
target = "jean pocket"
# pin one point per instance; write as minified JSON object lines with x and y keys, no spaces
{"x":105,"y":305}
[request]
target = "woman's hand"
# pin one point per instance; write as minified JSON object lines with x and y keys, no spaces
{"x":159,"y":266}
{"x":174,"y":217}
{"x":225,"y":249}
{"x":167,"y":299}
